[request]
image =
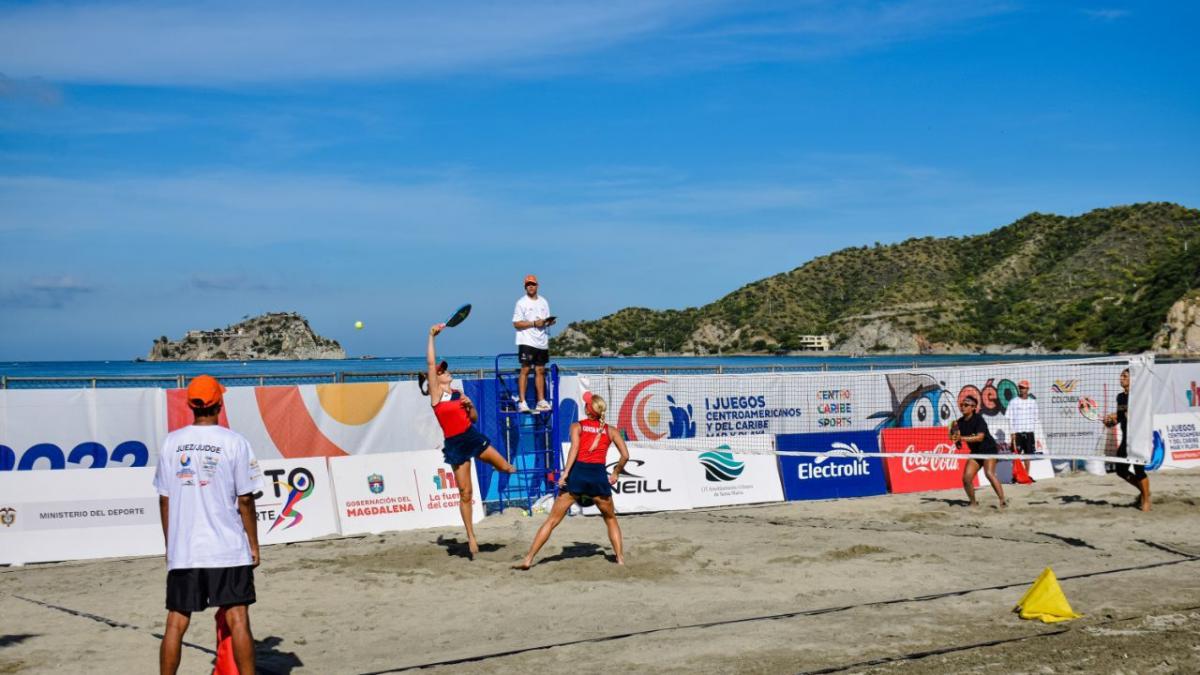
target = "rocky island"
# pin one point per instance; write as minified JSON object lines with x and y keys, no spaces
{"x":275,"y":336}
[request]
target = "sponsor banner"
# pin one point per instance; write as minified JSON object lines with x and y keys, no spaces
{"x":397,"y":491}
{"x":691,"y":406}
{"x":1176,"y":388}
{"x":296,"y":503}
{"x":1068,"y":395}
{"x":720,"y":477}
{"x":842,"y":472}
{"x":79,"y":428}
{"x":324,"y":420}
{"x":78,"y":515}
{"x":906,"y":473}
{"x":653,"y":480}
{"x":1180,"y":433}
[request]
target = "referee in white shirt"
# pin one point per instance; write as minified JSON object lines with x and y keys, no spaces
{"x":1022,"y":416}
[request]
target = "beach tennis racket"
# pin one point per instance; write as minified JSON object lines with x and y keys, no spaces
{"x":459,"y":316}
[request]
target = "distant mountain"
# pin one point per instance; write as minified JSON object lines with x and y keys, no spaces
{"x":1103,"y":281}
{"x":274,"y":336}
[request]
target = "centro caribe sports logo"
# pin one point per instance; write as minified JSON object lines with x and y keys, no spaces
{"x":642,"y":421}
{"x":300,"y":489}
{"x":720,"y":466}
{"x":1192,"y":394}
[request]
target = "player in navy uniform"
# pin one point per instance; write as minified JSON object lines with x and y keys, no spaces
{"x":584,"y":478}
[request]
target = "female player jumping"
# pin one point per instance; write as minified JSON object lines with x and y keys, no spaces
{"x":972,"y":430}
{"x":456,"y":414}
{"x":584,"y":479}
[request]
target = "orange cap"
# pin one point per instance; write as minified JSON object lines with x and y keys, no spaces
{"x":530,"y":279}
{"x":1023,"y":383}
{"x":204,"y":391}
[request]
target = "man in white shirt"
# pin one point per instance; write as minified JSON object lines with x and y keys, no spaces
{"x":206,"y":479}
{"x":531,"y":318}
{"x":1022,"y":414}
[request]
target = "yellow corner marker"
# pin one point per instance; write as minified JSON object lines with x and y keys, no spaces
{"x":1045,"y":601}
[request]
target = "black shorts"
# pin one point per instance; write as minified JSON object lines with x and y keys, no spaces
{"x":532,"y":356}
{"x":198,"y":588}
{"x":1023,"y":443}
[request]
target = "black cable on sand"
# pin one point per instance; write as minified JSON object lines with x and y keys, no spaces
{"x":788,"y":615}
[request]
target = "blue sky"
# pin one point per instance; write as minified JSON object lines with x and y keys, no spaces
{"x":167,"y":166}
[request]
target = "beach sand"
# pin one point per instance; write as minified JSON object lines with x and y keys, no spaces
{"x":889,"y":584}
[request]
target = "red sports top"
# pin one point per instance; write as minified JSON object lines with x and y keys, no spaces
{"x":452,"y":416}
{"x":588,"y":431}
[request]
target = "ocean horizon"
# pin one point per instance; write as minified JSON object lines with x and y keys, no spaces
{"x":469,"y":365}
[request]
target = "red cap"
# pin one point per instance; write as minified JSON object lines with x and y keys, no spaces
{"x":530,"y":279}
{"x":1023,"y":383}
{"x":587,"y":402}
{"x":204,"y":391}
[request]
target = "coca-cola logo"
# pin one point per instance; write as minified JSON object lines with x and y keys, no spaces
{"x":914,"y":464}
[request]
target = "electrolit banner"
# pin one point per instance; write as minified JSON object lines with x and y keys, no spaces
{"x":841,"y":472}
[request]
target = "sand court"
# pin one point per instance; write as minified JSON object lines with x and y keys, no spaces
{"x":895,"y":583}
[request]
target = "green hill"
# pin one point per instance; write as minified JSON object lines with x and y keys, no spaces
{"x":1105,"y":280}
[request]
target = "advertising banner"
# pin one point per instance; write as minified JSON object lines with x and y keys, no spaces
{"x":653,"y":480}
{"x":296,"y":503}
{"x":1180,"y":433}
{"x":906,"y":473}
{"x":78,"y":515}
{"x":842,"y":472}
{"x":397,"y":491}
{"x":323,"y":420}
{"x":79,"y":428}
{"x":1070,"y":396}
{"x":1176,"y":388}
{"x":720,"y":477}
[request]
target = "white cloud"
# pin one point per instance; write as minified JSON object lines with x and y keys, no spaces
{"x":44,"y":293}
{"x":223,"y":43}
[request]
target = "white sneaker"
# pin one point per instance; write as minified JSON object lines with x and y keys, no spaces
{"x":544,"y":406}
{"x":522,"y":406}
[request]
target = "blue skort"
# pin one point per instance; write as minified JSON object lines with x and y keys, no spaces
{"x":588,"y":480}
{"x":464,"y":447}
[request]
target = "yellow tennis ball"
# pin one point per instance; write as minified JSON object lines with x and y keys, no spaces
{"x":358,"y":325}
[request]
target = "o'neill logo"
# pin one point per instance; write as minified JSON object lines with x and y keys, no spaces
{"x":1063,"y":386}
{"x":642,"y":421}
{"x":720,"y":466}
{"x":8,"y":516}
{"x":1193,"y":395}
{"x":375,"y":483}
{"x":301,"y":487}
{"x":912,"y":464}
{"x":631,"y":483}
{"x":859,"y":467}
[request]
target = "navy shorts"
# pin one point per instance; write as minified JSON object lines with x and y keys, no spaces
{"x":588,"y":480}
{"x":532,"y":356}
{"x":196,"y":589}
{"x":464,"y":447}
{"x":1023,"y":442}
